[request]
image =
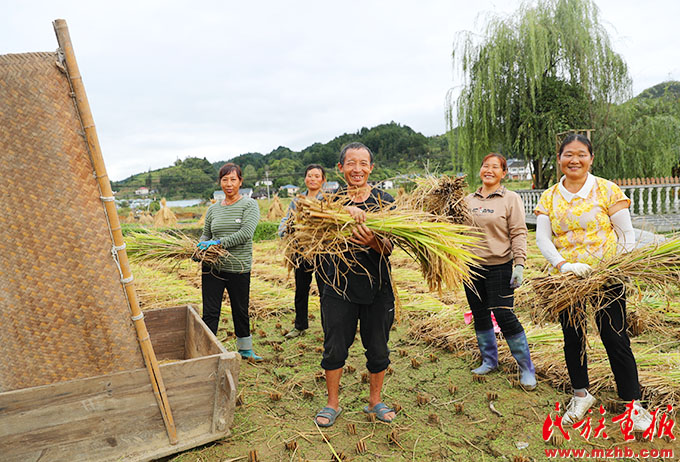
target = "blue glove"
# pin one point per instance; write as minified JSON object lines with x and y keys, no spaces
{"x":205,"y":244}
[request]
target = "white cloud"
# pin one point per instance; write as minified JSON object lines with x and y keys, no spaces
{"x":216,"y":79}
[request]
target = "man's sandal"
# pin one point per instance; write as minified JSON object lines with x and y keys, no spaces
{"x":380,"y":410}
{"x":327,"y":413}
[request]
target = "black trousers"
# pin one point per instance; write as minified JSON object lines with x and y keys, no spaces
{"x":339,"y":319}
{"x":493,"y":293}
{"x":213,"y":283}
{"x":611,"y":323}
{"x":303,"y":281}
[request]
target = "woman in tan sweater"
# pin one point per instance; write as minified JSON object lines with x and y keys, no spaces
{"x":499,"y":214}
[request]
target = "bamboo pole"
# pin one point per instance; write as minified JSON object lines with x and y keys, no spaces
{"x":83,"y":107}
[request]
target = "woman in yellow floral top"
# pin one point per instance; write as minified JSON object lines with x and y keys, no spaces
{"x":581,"y":220}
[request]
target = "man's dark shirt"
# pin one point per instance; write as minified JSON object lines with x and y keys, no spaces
{"x":355,"y":284}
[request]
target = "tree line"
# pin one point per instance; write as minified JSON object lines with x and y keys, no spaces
{"x":398,"y":150}
{"x":547,"y":69}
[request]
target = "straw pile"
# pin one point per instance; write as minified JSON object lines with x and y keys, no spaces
{"x":659,"y":367}
{"x":441,"y":248}
{"x":275,"y":212}
{"x":165,"y":217}
{"x":156,"y":246}
{"x":145,"y":219}
{"x":655,"y":267}
{"x":443,"y":197}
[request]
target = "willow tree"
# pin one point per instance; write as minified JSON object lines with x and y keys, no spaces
{"x":642,"y":139}
{"x":545,"y":69}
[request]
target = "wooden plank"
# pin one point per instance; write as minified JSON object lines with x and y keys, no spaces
{"x":167,"y":327}
{"x":125,"y":394}
{"x":225,"y":394}
{"x":119,"y":415}
{"x":115,"y":417}
{"x":200,"y":341}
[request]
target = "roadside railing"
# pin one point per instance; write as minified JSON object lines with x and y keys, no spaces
{"x":645,"y":199}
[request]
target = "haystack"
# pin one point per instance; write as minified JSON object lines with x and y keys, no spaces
{"x":164,"y":218}
{"x":145,"y":219}
{"x":275,"y":212}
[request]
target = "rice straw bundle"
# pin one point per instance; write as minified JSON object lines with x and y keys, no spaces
{"x":165,"y":217}
{"x":275,"y":211}
{"x":145,"y":219}
{"x":656,"y":266}
{"x":156,"y":246}
{"x":441,"y":248}
{"x":444,"y":196}
{"x":659,"y":369}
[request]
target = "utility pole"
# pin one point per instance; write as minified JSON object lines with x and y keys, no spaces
{"x":266,"y":174}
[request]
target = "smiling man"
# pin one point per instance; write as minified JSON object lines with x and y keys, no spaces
{"x":361,"y":294}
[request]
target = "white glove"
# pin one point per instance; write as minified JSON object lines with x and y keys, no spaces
{"x":581,"y":270}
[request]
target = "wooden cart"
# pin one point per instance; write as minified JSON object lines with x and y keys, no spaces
{"x":80,"y":376}
{"x":115,"y":417}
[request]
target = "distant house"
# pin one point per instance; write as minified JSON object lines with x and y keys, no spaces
{"x":330,"y":186}
{"x":290,"y":189}
{"x":245,"y":192}
{"x":519,"y":169}
{"x":387,"y":184}
{"x":142,"y":191}
{"x":264,"y":183}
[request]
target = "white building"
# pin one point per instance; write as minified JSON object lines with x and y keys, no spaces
{"x":290,"y":189}
{"x":142,"y":191}
{"x":519,"y":169}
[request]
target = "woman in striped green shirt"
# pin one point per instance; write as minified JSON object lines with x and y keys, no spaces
{"x":230,"y":223}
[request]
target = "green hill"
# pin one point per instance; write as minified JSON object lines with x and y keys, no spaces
{"x":398,"y":149}
{"x":668,"y":89}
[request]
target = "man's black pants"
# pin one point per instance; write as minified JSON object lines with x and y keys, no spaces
{"x":339,"y":319}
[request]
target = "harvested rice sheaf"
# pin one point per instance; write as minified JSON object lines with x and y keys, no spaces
{"x":658,"y":363}
{"x":442,"y":248}
{"x":655,"y":267}
{"x":275,"y":212}
{"x":441,"y":196}
{"x":157,"y":246}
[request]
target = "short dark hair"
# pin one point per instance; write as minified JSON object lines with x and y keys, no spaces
{"x":504,"y":163}
{"x":354,"y":145}
{"x":228,"y":168}
{"x":576,"y":137}
{"x":317,"y":166}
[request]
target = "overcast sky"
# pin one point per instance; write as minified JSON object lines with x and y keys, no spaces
{"x":169,"y":79}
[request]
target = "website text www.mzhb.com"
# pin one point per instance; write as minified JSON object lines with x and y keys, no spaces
{"x":613,"y":453}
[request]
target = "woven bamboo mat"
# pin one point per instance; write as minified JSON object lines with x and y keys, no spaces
{"x":63,"y":312}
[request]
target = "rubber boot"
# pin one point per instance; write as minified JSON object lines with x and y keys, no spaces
{"x":486,"y":341}
{"x":519,"y":347}
{"x":247,"y":354}
{"x":244,"y":345}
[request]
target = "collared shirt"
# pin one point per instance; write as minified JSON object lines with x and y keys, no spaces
{"x":500,"y":216}
{"x":582,"y":193}
{"x":582,"y":230}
